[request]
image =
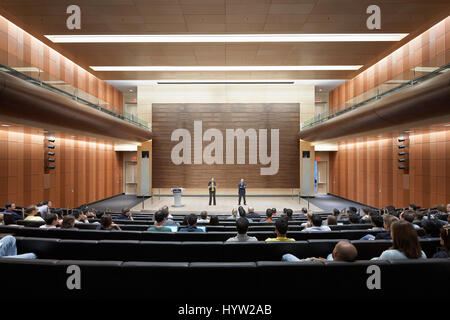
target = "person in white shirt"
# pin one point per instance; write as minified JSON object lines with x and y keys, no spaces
{"x":316,"y":221}
{"x":203,"y":217}
{"x":51,"y":221}
{"x":44,"y":208}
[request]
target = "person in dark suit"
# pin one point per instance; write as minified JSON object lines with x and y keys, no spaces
{"x":241,"y":190}
{"x":212,"y":191}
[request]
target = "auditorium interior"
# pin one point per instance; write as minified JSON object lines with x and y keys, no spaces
{"x":239,"y":148}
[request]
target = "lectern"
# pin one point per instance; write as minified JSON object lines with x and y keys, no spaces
{"x":177,"y":197}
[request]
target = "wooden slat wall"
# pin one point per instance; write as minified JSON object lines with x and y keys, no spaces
{"x":168,"y":117}
{"x":367,"y":171}
{"x":430,"y":49}
{"x":87,"y":170}
{"x":20,"y":49}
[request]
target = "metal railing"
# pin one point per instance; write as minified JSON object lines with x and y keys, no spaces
{"x":64,"y":89}
{"x":407,"y":80}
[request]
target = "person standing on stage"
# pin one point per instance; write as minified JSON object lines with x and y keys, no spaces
{"x":241,"y":189}
{"x":212,"y":191}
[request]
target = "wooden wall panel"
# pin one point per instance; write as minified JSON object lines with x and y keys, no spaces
{"x":430,"y":49}
{"x":168,"y":117}
{"x":20,"y":49}
{"x":375,"y":178}
{"x":86,"y":170}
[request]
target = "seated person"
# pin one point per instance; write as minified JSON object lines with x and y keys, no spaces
{"x":408,"y":216}
{"x":168,"y":218}
{"x":242,"y":227}
{"x":281,"y":228}
{"x":376,"y":220}
{"x":9,"y":209}
{"x":106,"y":223}
{"x":68,"y":222}
{"x":387,"y":221}
{"x":192,"y":224}
{"x":44,"y":208}
{"x":51,"y":221}
{"x":214,"y":221}
{"x":80,"y":217}
{"x":316,"y":222}
{"x":289,"y":213}
{"x":431,"y":227}
{"x":252,"y":214}
{"x":366,"y":215}
{"x":343,"y":251}
{"x":31,"y":213}
{"x":126,"y":215}
{"x":243,"y":214}
{"x":203,"y":217}
{"x":445,"y":243}
{"x":8,"y":249}
{"x":405,"y":243}
{"x":233,"y":215}
{"x":160,"y":217}
{"x":354,"y":218}
{"x":166,"y":209}
{"x":331,"y":220}
{"x":268,"y":215}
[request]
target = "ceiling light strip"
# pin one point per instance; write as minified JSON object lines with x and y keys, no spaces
{"x":211,"y":38}
{"x":226,"y":68}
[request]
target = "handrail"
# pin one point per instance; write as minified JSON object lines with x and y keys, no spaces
{"x":123,"y":115}
{"x":316,"y":120}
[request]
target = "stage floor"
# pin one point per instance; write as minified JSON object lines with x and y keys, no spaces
{"x":195,"y":204}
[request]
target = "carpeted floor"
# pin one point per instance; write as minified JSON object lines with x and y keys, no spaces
{"x":328,"y":202}
{"x":116,"y":203}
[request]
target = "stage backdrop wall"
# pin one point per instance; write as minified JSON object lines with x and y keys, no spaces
{"x":168,"y":117}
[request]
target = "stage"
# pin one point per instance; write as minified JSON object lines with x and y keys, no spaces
{"x":225,"y":203}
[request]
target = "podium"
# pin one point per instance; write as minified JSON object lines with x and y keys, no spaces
{"x":177,"y":197}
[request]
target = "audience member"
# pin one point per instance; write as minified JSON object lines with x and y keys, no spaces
{"x":268,"y":215}
{"x":243,"y":214}
{"x":203,"y":217}
{"x":44,"y":208}
{"x":405,"y":243}
{"x":445,"y":243}
{"x":106,"y":223}
{"x":281,"y":228}
{"x":233,"y":215}
{"x":331,"y":220}
{"x":343,"y":251}
{"x":192,"y":224}
{"x":8,"y":249}
{"x":126,"y":215}
{"x":252,"y":214}
{"x":354,"y":218}
{"x":214,"y":221}
{"x":289,"y":214}
{"x":68,"y":222}
{"x":242,"y":227}
{"x":376,"y":220}
{"x":409,"y":217}
{"x":316,"y":222}
{"x":51,"y":221}
{"x":387,"y":221}
{"x":431,"y":227}
{"x":9,"y":210}
{"x":31,"y":213}
{"x":160,"y":217}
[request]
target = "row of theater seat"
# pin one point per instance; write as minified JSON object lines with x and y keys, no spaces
{"x":174,"y":236}
{"x":210,"y":251}
{"x":262,"y":282}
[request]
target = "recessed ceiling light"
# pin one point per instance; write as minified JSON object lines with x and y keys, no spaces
{"x":447,"y":125}
{"x":199,"y":38}
{"x":6,"y":125}
{"x":225,"y":68}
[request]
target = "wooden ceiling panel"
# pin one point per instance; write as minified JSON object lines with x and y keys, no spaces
{"x":40,"y":17}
